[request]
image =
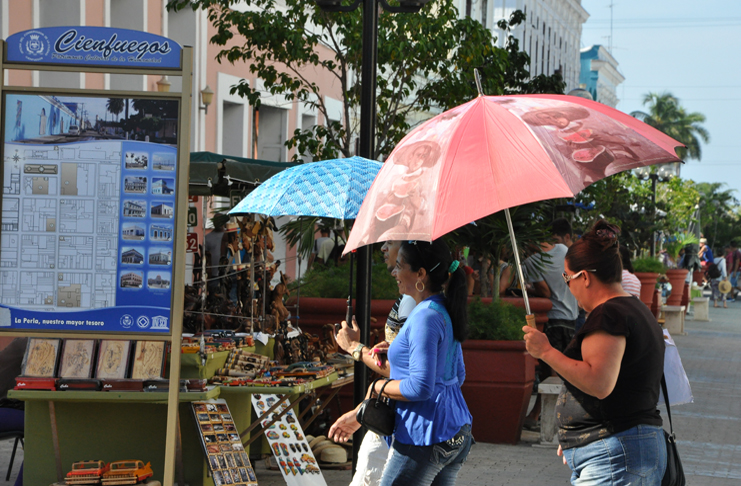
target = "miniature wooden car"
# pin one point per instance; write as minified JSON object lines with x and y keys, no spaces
{"x":127,"y":472}
{"x":86,"y":472}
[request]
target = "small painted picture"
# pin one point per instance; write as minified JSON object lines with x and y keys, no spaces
{"x":77,"y":358}
{"x":149,"y":358}
{"x":41,"y":357}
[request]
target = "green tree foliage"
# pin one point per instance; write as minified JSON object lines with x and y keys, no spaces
{"x":666,"y":114}
{"x":625,"y":200}
{"x":720,"y":214}
{"x":497,"y":321}
{"x":489,"y":238}
{"x":331,"y":281}
{"x":425,"y":63}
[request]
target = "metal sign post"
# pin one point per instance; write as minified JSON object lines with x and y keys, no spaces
{"x":95,"y":212}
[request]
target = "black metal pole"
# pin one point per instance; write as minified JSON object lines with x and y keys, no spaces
{"x":367,"y":141}
{"x":653,"y":203}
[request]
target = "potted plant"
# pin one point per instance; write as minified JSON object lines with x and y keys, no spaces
{"x":499,"y":371}
{"x":647,"y":269}
{"x":677,"y":276}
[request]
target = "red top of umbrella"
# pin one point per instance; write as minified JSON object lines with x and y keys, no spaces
{"x":496,"y":152}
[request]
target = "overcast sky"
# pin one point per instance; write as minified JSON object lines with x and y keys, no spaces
{"x":690,"y":49}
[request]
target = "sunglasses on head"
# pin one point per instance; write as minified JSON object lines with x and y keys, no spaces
{"x":568,"y":278}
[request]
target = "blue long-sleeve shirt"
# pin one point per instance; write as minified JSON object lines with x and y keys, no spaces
{"x":429,"y":362}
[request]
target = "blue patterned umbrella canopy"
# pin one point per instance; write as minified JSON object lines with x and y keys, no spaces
{"x":330,"y":189}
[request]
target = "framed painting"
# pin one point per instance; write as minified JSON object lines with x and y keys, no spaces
{"x":77,"y":358}
{"x":149,"y":360}
{"x":41,"y":357}
{"x":113,"y":359}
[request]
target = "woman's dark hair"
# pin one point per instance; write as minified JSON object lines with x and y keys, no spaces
{"x":598,"y":250}
{"x":625,"y":259}
{"x":436,"y":258}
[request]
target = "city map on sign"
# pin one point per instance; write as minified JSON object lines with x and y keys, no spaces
{"x":87,"y":216}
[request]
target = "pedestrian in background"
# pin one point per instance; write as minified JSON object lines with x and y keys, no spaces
{"x":630,"y":282}
{"x":717,"y":273}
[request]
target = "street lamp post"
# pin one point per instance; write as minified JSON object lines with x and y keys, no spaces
{"x":658,"y":173}
{"x":366,"y":149}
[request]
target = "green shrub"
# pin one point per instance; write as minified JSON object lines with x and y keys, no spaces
{"x":334,"y":282}
{"x":648,"y":265}
{"x":498,"y":321}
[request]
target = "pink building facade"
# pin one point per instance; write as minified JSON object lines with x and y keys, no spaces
{"x":226,"y":127}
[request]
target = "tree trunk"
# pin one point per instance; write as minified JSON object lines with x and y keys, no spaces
{"x":484,"y":278}
{"x":495,"y":288}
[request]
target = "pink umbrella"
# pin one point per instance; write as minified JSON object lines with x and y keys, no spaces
{"x":496,"y":152}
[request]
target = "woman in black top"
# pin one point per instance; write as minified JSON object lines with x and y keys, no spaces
{"x":609,"y":427}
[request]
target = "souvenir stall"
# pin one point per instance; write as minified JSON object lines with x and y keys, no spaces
{"x":114,"y":392}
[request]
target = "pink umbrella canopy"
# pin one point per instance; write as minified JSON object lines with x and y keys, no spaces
{"x":497,"y":152}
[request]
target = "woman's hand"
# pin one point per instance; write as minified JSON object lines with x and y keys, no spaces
{"x":378,"y":352}
{"x":344,"y":428}
{"x":559,"y":452}
{"x":348,"y":337}
{"x":536,"y":342}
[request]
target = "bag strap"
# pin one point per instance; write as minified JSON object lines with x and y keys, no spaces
{"x":666,"y":401}
{"x":373,"y":386}
{"x":380,"y":394}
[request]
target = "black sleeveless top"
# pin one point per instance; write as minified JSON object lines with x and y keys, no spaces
{"x":583,"y":418}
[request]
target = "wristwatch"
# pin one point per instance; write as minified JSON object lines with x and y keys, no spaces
{"x":357,"y":353}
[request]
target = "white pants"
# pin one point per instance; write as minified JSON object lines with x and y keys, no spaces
{"x":372,"y":458}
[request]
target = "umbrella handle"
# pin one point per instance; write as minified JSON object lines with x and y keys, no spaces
{"x":530,"y":318}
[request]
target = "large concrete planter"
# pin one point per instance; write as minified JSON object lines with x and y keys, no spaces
{"x":499,"y":382}
{"x":676,"y":277}
{"x":648,"y":285}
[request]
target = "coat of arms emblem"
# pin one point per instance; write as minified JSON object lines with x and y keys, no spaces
{"x":34,"y":45}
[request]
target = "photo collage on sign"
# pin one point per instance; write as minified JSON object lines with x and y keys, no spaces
{"x":226,"y":457}
{"x":147,"y":224}
{"x":286,"y":438}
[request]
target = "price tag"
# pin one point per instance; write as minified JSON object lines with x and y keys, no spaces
{"x":192,"y":243}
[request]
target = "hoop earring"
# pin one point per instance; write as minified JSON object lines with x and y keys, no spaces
{"x":416,"y":286}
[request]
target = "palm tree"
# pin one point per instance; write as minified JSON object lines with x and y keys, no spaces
{"x":115,"y":105}
{"x":667,"y":115}
{"x":717,"y":205}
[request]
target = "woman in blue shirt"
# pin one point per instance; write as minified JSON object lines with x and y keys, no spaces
{"x":433,"y":425}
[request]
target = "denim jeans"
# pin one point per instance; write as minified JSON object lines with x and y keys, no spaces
{"x":436,"y":465}
{"x":635,"y":457}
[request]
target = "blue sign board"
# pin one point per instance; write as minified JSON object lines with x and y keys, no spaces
{"x":88,"y":220}
{"x":93,"y":46}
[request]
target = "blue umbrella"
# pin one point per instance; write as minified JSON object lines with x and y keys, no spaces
{"x":330,"y":189}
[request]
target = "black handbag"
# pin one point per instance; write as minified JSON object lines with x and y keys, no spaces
{"x":674,"y":475}
{"x":377,"y":414}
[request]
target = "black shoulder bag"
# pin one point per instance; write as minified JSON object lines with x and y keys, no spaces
{"x":378,"y":414}
{"x":674,"y":475}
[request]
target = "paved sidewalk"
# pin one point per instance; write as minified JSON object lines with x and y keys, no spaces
{"x":708,"y":430}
